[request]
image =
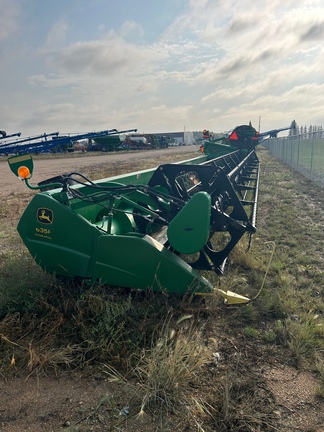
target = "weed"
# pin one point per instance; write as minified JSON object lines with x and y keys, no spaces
{"x":22,"y":283}
{"x":269,"y":336}
{"x":251,"y":332}
{"x":168,"y":368}
{"x":102,"y":323}
{"x":302,"y":338}
{"x":319,"y":365}
{"x":239,"y":405}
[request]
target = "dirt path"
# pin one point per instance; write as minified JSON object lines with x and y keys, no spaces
{"x":51,"y":165}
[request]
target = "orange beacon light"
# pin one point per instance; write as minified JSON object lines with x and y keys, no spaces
{"x":23,"y":173}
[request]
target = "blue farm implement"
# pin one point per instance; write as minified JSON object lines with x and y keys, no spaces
{"x":52,"y":142}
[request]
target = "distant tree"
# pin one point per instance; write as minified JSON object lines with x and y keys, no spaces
{"x":294,"y":131}
{"x":293,"y":128}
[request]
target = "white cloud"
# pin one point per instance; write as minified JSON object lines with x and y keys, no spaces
{"x":56,"y":35}
{"x":104,"y":57}
{"x":131,"y":28}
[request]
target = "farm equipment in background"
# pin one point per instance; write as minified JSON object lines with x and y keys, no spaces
{"x":53,"y":142}
{"x":273,"y":133}
{"x":129,"y":141}
{"x":243,"y":137}
{"x":6,"y":136}
{"x":145,"y":141}
{"x":107,"y":143}
{"x":156,"y":228}
{"x":33,"y":144}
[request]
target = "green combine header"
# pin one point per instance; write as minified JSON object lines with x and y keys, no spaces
{"x":153,"y":229}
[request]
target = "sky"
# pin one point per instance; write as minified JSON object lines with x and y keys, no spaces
{"x":75,"y":66}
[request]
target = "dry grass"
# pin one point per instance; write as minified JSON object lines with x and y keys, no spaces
{"x":241,"y":404}
{"x":168,"y":369}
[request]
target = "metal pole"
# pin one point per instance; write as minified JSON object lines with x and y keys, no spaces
{"x":298,"y":152}
{"x":312,"y":157}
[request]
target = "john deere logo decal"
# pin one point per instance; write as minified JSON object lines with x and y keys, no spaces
{"x":45,"y":216}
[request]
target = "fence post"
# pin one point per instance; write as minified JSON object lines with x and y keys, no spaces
{"x":312,"y":157}
{"x":298,"y":152}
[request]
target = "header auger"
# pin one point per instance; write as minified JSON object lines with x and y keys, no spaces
{"x":148,"y":229}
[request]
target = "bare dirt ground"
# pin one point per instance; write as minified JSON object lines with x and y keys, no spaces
{"x":47,"y":167}
{"x":84,"y":401}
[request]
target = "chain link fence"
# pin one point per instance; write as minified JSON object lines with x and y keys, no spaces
{"x":304,"y":153}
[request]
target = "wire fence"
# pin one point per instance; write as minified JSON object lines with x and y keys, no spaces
{"x":304,"y":153}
